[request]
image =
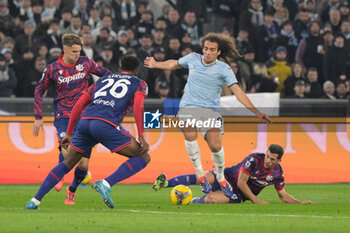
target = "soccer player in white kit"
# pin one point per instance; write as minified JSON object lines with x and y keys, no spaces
{"x":201,"y":100}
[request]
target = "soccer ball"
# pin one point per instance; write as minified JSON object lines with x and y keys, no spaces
{"x":87,"y":178}
{"x":181,"y":195}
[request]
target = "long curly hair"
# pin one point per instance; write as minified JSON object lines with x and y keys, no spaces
{"x":226,"y":44}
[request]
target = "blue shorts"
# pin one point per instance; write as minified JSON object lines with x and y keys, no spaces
{"x":236,"y":197}
{"x":61,"y":125}
{"x":90,"y":132}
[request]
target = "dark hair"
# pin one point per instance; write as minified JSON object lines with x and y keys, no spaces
{"x":276,"y":149}
{"x":226,"y":45}
{"x":129,"y":63}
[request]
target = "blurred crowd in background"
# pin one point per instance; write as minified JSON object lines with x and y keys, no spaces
{"x":300,"y":48}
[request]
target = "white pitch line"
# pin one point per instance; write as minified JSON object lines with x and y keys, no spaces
{"x":194,"y":213}
{"x":236,"y":214}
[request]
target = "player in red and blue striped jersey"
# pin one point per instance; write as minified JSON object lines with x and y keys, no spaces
{"x":108,"y":100}
{"x":247,"y":179}
{"x":70,"y":77}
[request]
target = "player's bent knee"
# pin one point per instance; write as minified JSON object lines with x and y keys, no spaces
{"x":83,"y":164}
{"x":215,"y":148}
{"x":146,"y":157}
{"x":72,"y":158}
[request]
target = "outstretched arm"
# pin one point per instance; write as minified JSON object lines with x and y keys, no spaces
{"x":243,"y":186}
{"x":243,"y":98}
{"x":149,"y":62}
{"x":287,"y":198}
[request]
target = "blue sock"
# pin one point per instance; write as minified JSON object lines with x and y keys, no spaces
{"x":79,"y":176}
{"x":127,"y":169}
{"x":199,"y":200}
{"x":60,"y":157}
{"x":55,"y":175}
{"x":183,"y":179}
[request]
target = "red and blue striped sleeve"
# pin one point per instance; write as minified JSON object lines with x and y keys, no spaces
{"x":143,"y":88}
{"x":97,"y":69}
{"x":40,"y":89}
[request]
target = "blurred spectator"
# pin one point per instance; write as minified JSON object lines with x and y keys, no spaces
{"x":198,"y":7}
{"x":328,"y":38}
{"x":174,"y":21}
{"x":87,"y":49}
{"x":8,"y":79}
{"x":334,"y":20}
{"x":145,"y":25}
{"x":281,"y":16}
{"x":313,"y":88}
{"x":141,"y":7}
{"x":325,"y":11}
{"x":85,"y":28}
{"x":54,"y":53}
{"x":8,"y":42}
{"x":300,"y":25}
{"x":107,"y":56}
{"x":125,"y":10}
{"x":7,"y":52}
{"x":53,"y":37}
{"x":234,"y":64}
{"x":146,"y":47}
{"x":75,"y":26}
{"x":241,"y":83}
{"x":173,"y":51}
{"x":311,"y":7}
{"x":191,"y":26}
{"x":246,"y":64}
{"x":25,"y":10}
{"x":37,"y":8}
{"x":120,"y":46}
{"x":278,"y":68}
{"x":50,"y":11}
{"x":260,"y":81}
{"x":345,"y":31}
{"x":132,"y":40}
{"x":328,"y":90}
{"x":27,"y":82}
{"x":298,"y":72}
{"x":335,"y":58}
{"x":162,"y":89}
{"x":299,"y":90}
{"x":103,"y":38}
{"x":252,"y":18}
{"x":225,"y":13}
{"x":341,"y":91}
{"x":27,"y":40}
{"x":266,"y":34}
{"x":94,"y":18}
{"x":80,"y":9}
{"x":242,"y":40}
{"x":6,"y":19}
{"x":159,"y":37}
{"x":106,"y":22}
{"x":165,"y":10}
{"x":310,"y":50}
{"x":43,"y":51}
{"x":161,"y":23}
{"x":156,"y":74}
{"x":66,"y":18}
{"x":287,"y":39}
{"x":344,"y":11}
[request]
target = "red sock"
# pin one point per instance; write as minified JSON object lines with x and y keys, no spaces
{"x":201,"y":179}
{"x":223,"y":183}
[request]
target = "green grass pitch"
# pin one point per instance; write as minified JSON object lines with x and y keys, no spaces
{"x":140,"y":209}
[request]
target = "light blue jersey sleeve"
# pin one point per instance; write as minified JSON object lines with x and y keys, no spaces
{"x":184,"y":61}
{"x":230,"y":77}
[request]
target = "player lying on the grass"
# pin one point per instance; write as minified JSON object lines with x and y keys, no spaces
{"x":110,"y":99}
{"x":247,"y":179}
